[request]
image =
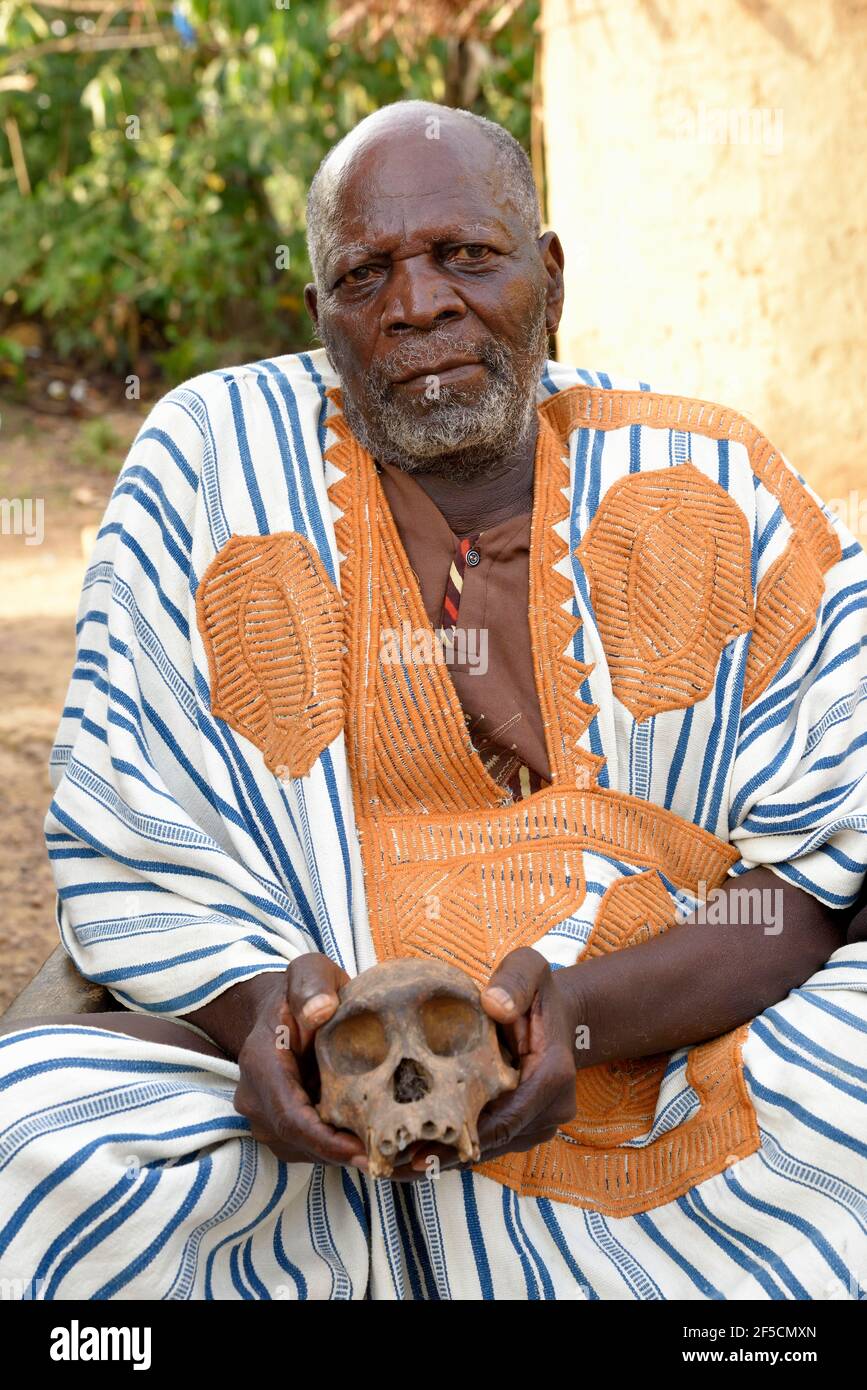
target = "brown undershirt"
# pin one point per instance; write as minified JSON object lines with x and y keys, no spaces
{"x":498,"y":696}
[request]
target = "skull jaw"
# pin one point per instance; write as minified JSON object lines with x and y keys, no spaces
{"x":384,"y":1152}
{"x":447,"y":1117}
{"x":390,"y":1129}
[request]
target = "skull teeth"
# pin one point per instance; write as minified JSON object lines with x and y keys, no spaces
{"x":387,"y":1147}
{"x":468,"y":1146}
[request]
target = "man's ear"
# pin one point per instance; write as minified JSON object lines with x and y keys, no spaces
{"x":311,"y":302}
{"x":551,"y":252}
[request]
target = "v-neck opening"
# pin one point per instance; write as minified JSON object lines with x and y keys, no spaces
{"x":440,"y":672}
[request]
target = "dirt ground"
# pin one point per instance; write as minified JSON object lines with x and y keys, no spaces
{"x":71,"y":466}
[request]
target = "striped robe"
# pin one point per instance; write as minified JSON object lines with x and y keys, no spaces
{"x":184,"y":865}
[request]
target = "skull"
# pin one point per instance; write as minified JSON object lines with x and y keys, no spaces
{"x":410,"y":1055}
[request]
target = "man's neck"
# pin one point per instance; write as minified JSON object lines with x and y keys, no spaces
{"x":503,"y":491}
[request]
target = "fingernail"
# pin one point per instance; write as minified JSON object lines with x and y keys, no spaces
{"x":359,"y":1162}
{"x":499,"y":996}
{"x":316,"y":1008}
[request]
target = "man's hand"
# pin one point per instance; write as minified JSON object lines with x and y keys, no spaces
{"x":278,"y":1067}
{"x":522,"y":996}
{"x":537,"y":1020}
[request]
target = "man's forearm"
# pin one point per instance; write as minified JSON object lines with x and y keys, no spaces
{"x":697,"y":980}
{"x":229,"y":1018}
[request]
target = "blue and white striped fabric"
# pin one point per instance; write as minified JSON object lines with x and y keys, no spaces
{"x":183,"y":865}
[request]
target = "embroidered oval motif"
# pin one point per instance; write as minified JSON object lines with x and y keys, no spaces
{"x":616,"y":1101}
{"x":272,"y":624}
{"x":668,"y":601}
{"x":667,"y":556}
{"x":591,"y":1162}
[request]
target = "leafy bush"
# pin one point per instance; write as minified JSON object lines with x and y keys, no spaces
{"x":166,"y":177}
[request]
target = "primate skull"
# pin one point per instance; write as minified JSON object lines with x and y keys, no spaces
{"x":410,"y":1055}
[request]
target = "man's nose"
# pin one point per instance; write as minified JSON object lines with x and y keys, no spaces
{"x":420,"y":297}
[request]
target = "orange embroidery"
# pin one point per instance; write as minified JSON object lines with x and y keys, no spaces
{"x":632,"y":910}
{"x":621,"y":1182}
{"x":788,"y":599}
{"x":616,"y":1101}
{"x":668,"y":560}
{"x":788,"y":596}
{"x":425,"y":760}
{"x":407,"y":740}
{"x":456,"y":871}
{"x":559,"y":677}
{"x":469,"y":888}
{"x":271,"y":622}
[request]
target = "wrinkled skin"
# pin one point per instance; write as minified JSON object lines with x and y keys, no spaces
{"x":447,"y":260}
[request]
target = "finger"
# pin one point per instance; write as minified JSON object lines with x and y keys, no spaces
{"x":513,"y":985}
{"x":516,"y":1037}
{"x":303,"y":1127}
{"x":289,"y":1021}
{"x":406,"y":1174}
{"x":518,"y":1111}
{"x":312,"y":985}
{"x":444,"y":1155}
{"x":288,"y":1153}
{"x":284,"y":1107}
{"x":284,"y":1124}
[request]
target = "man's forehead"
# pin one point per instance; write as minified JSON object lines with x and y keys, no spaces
{"x":438,"y":214}
{"x":396,"y":147}
{"x":419,"y":174}
{"x":386,"y":211}
{"x":398,"y":169}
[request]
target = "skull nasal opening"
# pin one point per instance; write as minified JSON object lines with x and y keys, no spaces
{"x":410,"y":1081}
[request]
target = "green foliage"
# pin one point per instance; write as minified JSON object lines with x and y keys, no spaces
{"x":12,"y":359}
{"x":166,"y":178}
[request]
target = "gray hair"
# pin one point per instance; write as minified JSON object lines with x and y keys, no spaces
{"x":514,"y":165}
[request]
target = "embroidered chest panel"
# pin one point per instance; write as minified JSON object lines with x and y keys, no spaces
{"x":668,"y":560}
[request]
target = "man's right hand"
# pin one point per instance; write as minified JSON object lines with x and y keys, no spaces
{"x":278,"y":1065}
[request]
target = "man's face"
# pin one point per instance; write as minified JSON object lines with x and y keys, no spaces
{"x":437,"y":301}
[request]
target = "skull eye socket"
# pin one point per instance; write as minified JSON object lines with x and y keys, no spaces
{"x":357,"y":1044}
{"x":451,"y":1024}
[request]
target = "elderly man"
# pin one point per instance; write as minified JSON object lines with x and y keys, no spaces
{"x":425,"y":645}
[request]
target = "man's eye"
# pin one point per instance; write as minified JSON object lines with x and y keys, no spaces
{"x":357,"y":276}
{"x":473,"y":251}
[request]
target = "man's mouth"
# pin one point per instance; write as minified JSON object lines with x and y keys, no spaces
{"x":450,"y":370}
